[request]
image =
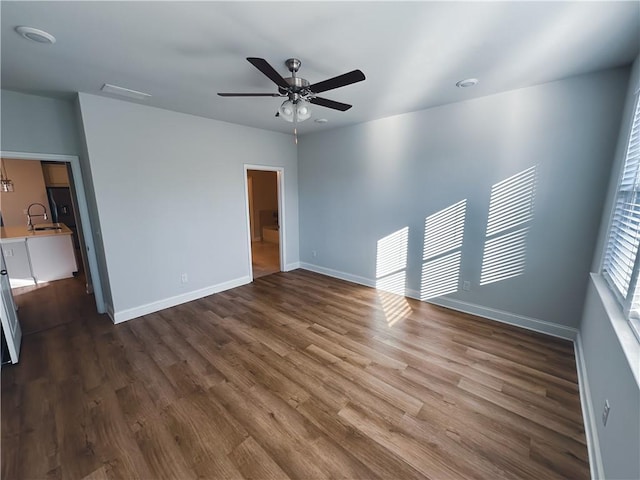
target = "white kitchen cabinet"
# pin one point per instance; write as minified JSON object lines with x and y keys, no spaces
{"x":52,"y":257}
{"x":16,"y":258}
{"x":38,"y":256}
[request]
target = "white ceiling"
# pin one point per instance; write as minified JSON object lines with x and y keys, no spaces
{"x":412,"y":53}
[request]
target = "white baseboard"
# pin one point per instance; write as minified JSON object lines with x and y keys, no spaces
{"x":541,"y":326}
{"x":124,"y":315}
{"x":338,"y":274}
{"x":291,"y":266}
{"x":22,"y":282}
{"x":529,"y":323}
{"x":588,"y":413}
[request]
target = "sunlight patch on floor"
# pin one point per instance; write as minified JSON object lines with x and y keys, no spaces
{"x":391,"y":264}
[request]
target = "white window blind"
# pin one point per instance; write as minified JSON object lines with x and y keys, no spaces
{"x":620,"y":266}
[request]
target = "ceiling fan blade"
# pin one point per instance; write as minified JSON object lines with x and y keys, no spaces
{"x":249,"y":94}
{"x":262,"y":65}
{"x":324,"y":102}
{"x":337,"y":82}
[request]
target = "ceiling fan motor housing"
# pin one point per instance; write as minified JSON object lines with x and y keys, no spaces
{"x":297,"y":86}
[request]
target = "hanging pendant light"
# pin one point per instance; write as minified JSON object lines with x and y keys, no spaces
{"x":6,"y":185}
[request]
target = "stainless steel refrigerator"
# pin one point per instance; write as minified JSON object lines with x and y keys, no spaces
{"x":61,"y":207}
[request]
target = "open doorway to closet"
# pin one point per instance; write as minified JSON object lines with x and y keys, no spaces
{"x":263,"y":193}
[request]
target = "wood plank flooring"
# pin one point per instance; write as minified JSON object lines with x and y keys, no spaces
{"x":49,"y":304}
{"x":265,"y":258}
{"x":295,"y":376}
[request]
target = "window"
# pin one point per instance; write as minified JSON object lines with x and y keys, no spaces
{"x":621,"y":262}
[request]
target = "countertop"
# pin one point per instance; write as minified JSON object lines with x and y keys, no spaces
{"x":21,"y":232}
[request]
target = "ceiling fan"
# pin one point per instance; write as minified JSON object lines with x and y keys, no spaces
{"x":299,"y":92}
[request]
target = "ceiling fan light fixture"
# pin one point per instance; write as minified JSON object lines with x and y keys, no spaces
{"x":298,"y":110}
{"x":286,"y":110}
{"x":303,"y":110}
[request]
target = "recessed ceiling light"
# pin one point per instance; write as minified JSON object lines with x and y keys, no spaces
{"x":36,"y":35}
{"x":466,"y":83}
{"x":321,"y":120}
{"x":124,"y":92}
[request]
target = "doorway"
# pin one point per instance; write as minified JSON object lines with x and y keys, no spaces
{"x":65,"y":279}
{"x":265,"y":219}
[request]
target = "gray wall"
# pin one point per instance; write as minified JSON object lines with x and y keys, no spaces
{"x":170,"y":191}
{"x":610,"y":377}
{"x":609,"y":351}
{"x":362,"y":183}
{"x":37,"y":124}
{"x":92,"y":206}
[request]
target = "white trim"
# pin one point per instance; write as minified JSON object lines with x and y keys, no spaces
{"x":588,"y":413}
{"x":623,"y":331}
{"x":281,"y":217}
{"x":43,"y":157}
{"x":83,"y":210}
{"x":281,"y":211}
{"x":541,"y":326}
{"x":528,"y":323}
{"x":292,"y":266}
{"x":131,"y":313}
{"x":338,"y":274}
{"x":248,"y":214}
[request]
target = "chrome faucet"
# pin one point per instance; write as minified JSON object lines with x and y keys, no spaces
{"x":30,"y":216}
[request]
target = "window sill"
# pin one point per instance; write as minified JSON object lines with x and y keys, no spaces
{"x":622,"y":328}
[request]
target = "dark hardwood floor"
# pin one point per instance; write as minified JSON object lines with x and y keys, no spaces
{"x":47,"y":305}
{"x":296,"y":375}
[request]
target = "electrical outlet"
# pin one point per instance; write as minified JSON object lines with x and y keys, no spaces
{"x":184,"y":278}
{"x":314,"y":253}
{"x":8,"y":252}
{"x":605,"y":412}
{"x":466,"y":285}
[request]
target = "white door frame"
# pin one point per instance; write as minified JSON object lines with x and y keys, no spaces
{"x":9,"y":315}
{"x":83,"y":210}
{"x":281,"y":212}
